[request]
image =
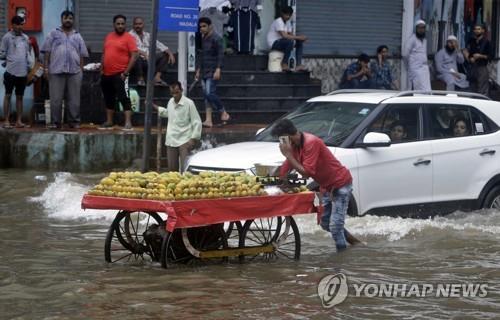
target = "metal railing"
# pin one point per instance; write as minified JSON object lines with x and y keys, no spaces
{"x":410,"y":93}
{"x":461,"y":94}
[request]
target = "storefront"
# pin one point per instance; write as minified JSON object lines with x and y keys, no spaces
{"x":338,"y":31}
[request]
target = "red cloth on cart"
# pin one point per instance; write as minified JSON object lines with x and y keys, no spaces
{"x":194,"y":213}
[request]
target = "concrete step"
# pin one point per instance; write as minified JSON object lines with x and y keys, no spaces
{"x":261,"y":104}
{"x":254,"y":77}
{"x":245,"y":90}
{"x":237,"y":117}
{"x":98,"y":116}
{"x":228,"y":77}
{"x":231,"y":62}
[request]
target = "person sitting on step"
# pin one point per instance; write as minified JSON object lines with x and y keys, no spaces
{"x":281,"y":38}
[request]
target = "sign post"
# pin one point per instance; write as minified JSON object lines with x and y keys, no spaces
{"x":169,"y":15}
{"x":182,"y":16}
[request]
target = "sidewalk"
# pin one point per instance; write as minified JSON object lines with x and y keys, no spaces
{"x":89,"y":149}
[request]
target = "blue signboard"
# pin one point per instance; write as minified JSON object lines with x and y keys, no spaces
{"x":178,"y":15}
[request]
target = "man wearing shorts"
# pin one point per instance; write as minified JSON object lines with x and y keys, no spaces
{"x":118,"y":58}
{"x":15,"y":48}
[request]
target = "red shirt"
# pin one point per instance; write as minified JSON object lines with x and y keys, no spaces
{"x":117,"y":51}
{"x":319,"y":163}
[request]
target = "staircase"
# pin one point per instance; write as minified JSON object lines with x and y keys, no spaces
{"x":249,"y":92}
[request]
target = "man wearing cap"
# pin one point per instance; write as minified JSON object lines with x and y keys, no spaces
{"x":357,"y":75}
{"x":446,"y":61}
{"x":478,"y":53}
{"x":15,"y":48}
{"x":415,"y":56}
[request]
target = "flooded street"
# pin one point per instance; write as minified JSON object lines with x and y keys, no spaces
{"x":52,"y":265}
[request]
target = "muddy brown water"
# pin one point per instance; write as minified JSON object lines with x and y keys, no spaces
{"x":52,"y":266}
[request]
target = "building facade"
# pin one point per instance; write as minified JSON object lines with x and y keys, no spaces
{"x":338,"y":30}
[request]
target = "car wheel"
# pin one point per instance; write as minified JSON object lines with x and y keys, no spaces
{"x":492,"y":200}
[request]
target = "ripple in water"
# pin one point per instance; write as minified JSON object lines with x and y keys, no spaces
{"x":61,"y":200}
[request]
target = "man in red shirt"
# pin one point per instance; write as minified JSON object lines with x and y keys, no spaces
{"x":118,"y":58}
{"x":310,"y":157}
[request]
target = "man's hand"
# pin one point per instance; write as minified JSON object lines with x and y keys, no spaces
{"x":286,"y":149}
{"x":302,"y":38}
{"x":171,"y":57}
{"x":217,"y":74}
{"x":155,"y":106}
{"x":368,"y":71}
{"x":124,"y":75}
{"x":191,"y":144}
{"x":477,"y":56}
{"x":143,"y":55}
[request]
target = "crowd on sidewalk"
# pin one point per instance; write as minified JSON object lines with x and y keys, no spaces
{"x":63,"y":52}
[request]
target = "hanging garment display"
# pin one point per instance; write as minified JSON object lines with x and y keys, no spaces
{"x":244,"y":22}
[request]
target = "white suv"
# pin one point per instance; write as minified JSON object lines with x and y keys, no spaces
{"x":433,"y":169}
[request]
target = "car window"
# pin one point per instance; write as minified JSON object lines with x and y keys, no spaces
{"x":333,"y":122}
{"x":480,"y":125}
{"x":399,"y":122}
{"x":452,"y":121}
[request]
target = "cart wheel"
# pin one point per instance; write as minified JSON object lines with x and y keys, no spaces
{"x":281,"y":232}
{"x":125,"y":237}
{"x":207,"y":238}
{"x":233,"y":231}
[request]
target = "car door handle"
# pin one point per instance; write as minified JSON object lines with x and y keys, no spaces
{"x":421,"y":161}
{"x":487,"y":152}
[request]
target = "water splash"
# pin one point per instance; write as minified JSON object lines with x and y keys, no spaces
{"x":61,"y":199}
{"x":395,"y":228}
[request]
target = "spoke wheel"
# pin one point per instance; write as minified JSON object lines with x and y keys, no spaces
{"x":206,"y":238}
{"x":281,"y":232}
{"x":233,"y":231}
{"x":125,"y":238}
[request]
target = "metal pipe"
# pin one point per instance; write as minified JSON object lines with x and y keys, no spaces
{"x":146,"y":151}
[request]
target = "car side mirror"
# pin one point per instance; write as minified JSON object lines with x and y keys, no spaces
{"x":375,"y":139}
{"x":259,"y":131}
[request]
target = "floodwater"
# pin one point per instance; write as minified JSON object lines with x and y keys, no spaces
{"x":52,"y":266}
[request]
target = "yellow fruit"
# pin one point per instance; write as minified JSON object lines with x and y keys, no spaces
{"x":107,"y":181}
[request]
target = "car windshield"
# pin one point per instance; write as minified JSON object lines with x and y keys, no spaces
{"x":331,"y":121}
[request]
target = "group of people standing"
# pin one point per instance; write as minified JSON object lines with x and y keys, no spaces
{"x":63,"y":53}
{"x":465,"y":69}
{"x":476,"y":55}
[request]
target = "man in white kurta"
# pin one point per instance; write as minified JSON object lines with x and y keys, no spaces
{"x":415,"y":56}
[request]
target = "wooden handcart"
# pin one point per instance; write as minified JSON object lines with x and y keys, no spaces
{"x":203,"y":231}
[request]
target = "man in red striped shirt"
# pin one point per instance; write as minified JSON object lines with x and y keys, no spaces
{"x":310,"y":157}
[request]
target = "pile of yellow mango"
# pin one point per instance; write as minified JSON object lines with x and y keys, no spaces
{"x":174,"y":186}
